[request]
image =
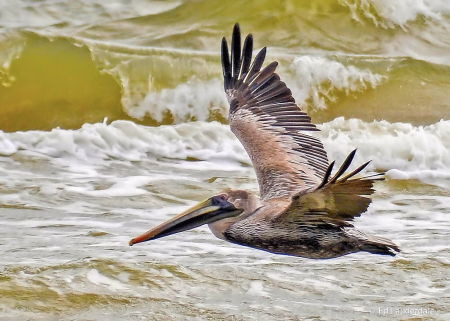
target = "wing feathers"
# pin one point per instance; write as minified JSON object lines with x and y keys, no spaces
{"x":335,"y":200}
{"x":256,"y":66}
{"x":226,"y":65}
{"x":236,"y":52}
{"x":265,"y":118}
{"x":273,"y":84}
{"x":246,"y":56}
{"x":327,"y":175}
{"x":262,"y":77}
{"x":343,"y":167}
{"x":356,"y":171}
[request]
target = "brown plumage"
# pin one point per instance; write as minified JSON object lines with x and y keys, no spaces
{"x":302,"y":210}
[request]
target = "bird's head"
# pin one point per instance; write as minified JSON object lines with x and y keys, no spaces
{"x":214,"y":209}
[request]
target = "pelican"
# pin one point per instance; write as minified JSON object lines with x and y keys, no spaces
{"x":302,"y":210}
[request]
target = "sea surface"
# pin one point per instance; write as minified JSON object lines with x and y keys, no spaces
{"x":113,"y":119}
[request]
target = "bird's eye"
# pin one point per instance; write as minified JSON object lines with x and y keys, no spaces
{"x":217,"y":200}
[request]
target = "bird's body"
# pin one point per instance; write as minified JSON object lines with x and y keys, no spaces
{"x":316,"y":239}
{"x":302,"y":209}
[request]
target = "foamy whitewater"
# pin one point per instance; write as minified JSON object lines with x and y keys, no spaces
{"x":401,"y":149}
{"x":114,"y":120}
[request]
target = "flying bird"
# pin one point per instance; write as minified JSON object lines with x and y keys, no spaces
{"x":302,"y":210}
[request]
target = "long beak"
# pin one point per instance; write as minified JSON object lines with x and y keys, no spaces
{"x":203,"y":213}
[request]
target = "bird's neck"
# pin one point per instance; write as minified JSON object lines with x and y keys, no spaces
{"x":218,"y":228}
{"x":241,"y":199}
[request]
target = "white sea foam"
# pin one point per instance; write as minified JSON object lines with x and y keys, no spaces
{"x":309,"y":77}
{"x":96,"y":278}
{"x":22,"y":13}
{"x":406,"y":151}
{"x":125,"y":140}
{"x":256,"y":289}
{"x":389,"y":14}
{"x":425,"y":26}
{"x":193,"y":100}
{"x":318,"y":78}
{"x":128,"y":186}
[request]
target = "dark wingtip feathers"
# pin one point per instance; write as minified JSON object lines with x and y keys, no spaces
{"x":235,"y":52}
{"x":327,"y":175}
{"x":345,"y":165}
{"x":246,"y":56}
{"x":239,"y":67}
{"x":226,"y":65}
{"x":356,"y":171}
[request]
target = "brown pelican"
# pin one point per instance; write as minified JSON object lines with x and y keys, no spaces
{"x":302,"y":209}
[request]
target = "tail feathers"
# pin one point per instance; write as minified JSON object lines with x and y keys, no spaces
{"x":371,"y":243}
{"x":380,"y":245}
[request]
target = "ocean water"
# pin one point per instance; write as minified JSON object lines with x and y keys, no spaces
{"x":113,"y":119}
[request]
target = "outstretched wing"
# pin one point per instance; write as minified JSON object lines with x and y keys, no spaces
{"x":267,"y":121}
{"x":336,"y":201}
